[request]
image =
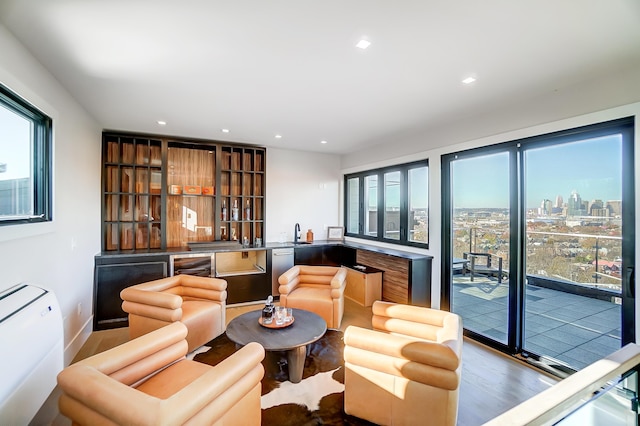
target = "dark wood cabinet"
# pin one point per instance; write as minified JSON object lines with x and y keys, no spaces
{"x":406,"y":277}
{"x":324,"y":254}
{"x":111,"y":276}
{"x":308,"y":255}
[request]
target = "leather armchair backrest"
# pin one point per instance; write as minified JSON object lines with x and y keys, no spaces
{"x":136,"y":360}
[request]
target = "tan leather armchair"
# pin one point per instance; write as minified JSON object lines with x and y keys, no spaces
{"x":319,"y":289}
{"x":148,"y":381}
{"x":197,"y":302}
{"x":406,"y":371}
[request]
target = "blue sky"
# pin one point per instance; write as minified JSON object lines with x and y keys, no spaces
{"x":14,"y":152}
{"x":590,"y":167}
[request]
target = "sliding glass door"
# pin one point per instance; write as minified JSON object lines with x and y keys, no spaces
{"x":481,"y":243}
{"x":538,"y":244}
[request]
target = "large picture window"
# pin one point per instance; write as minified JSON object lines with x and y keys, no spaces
{"x":25,"y":161}
{"x":390,"y":204}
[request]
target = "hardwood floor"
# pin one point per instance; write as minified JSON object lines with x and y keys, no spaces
{"x":491,"y":381}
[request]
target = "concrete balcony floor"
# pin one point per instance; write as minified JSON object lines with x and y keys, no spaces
{"x":569,"y":328}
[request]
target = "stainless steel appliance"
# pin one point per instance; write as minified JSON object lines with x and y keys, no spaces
{"x":281,"y":261}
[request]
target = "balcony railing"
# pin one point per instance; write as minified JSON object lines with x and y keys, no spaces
{"x":572,"y":293}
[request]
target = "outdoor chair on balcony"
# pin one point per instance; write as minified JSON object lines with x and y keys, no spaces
{"x":484,"y":264}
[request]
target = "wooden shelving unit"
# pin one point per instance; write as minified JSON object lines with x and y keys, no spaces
{"x":163,"y":193}
{"x":132,"y":197}
{"x":241,"y":188}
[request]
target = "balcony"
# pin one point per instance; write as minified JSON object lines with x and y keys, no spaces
{"x":569,"y":322}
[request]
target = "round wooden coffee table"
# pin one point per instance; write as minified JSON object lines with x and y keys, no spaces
{"x":307,"y":327}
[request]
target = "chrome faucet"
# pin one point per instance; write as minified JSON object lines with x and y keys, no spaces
{"x":296,"y":233}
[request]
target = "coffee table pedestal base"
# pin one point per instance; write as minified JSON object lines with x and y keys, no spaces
{"x":295,"y":359}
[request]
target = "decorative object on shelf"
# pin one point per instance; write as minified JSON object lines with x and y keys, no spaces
{"x":335,"y":233}
{"x":192,"y":190}
{"x":235,"y":212}
{"x":245,"y":241}
{"x":247,"y":211}
{"x":175,"y":189}
{"x":309,"y":236}
{"x":223,"y":233}
{"x":257,"y":242}
{"x":234,"y":236}
{"x":224,"y":211}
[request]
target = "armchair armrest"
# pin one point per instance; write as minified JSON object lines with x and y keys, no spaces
{"x":151,"y":298}
{"x":339,"y":279}
{"x":214,"y":289}
{"x":422,"y":351}
{"x":425,"y":362}
{"x":289,"y":280}
{"x":150,"y":304}
{"x":339,"y":283}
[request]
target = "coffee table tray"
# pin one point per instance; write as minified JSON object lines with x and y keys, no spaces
{"x":274,"y":325}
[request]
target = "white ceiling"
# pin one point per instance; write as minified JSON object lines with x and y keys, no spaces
{"x":266,"y":67}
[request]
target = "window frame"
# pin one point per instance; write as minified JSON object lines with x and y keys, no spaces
{"x":381,"y":203}
{"x":41,"y":157}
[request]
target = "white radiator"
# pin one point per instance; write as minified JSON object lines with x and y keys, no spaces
{"x":31,"y":354}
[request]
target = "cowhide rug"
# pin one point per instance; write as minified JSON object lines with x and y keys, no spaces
{"x":316,"y":400}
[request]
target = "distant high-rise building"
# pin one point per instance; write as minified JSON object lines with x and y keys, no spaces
{"x":596,"y":208}
{"x":559,"y":202}
{"x":545,"y":207}
{"x":575,"y":205}
{"x":615,"y":207}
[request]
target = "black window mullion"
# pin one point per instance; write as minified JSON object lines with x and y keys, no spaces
{"x":361,"y":208}
{"x":404,"y":204}
{"x":381,"y":205}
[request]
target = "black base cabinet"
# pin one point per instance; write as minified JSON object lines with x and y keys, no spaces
{"x":114,"y":274}
{"x":329,"y":255}
{"x":247,"y":288}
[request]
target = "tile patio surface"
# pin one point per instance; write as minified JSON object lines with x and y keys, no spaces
{"x":573,"y":329}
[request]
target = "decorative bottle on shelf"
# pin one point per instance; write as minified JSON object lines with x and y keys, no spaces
{"x":309,"y":236}
{"x":224,"y":210}
{"x":235,"y":211}
{"x":247,"y":211}
{"x":267,"y":311}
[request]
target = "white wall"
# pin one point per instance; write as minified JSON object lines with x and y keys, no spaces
{"x":57,"y":255}
{"x":302,"y":187}
{"x":379,"y":158}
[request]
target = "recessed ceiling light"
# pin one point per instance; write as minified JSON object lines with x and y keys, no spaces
{"x":468,"y":80}
{"x":323,"y":142}
{"x":162,"y":123}
{"x":363,"y":44}
{"x":225,"y":130}
{"x":278,"y":136}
